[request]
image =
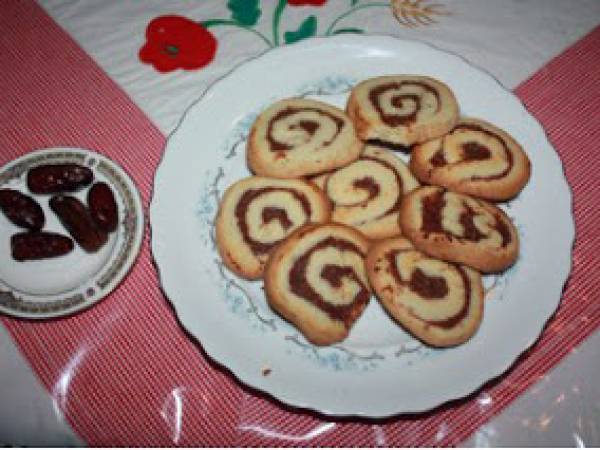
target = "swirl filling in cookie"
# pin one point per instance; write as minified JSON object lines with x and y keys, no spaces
{"x":475,"y":158}
{"x":293,"y":127}
{"x":258,"y":213}
{"x":402,"y":110}
{"x":367,"y":193}
{"x":459,"y":228}
{"x":316,"y":279}
{"x":297,"y":137}
{"x":440,"y":303}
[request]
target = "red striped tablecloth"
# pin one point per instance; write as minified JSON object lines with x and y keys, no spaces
{"x":124,"y":372}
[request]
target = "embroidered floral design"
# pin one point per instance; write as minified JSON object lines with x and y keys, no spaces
{"x":174,"y":42}
{"x":412,"y":13}
{"x":307,"y":2}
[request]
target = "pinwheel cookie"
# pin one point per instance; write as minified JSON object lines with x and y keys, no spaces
{"x":402,"y":109}
{"x":257,"y":213}
{"x":367,"y":193}
{"x":458,"y":228}
{"x":475,"y":158}
{"x":297,"y":137}
{"x":440,"y":303}
{"x":316,"y":279}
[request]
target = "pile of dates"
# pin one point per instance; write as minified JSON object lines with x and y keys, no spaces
{"x":88,"y":225}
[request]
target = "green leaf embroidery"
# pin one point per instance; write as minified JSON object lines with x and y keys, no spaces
{"x":246,"y":12}
{"x":348,"y":30}
{"x":308,"y":28}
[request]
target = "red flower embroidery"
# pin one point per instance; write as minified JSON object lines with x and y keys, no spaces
{"x":175,"y":42}
{"x":307,"y":2}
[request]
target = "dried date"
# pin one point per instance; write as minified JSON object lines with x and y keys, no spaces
{"x":21,"y":209}
{"x":33,"y":245}
{"x":103,"y":207}
{"x":55,"y":178}
{"x":76,"y":218}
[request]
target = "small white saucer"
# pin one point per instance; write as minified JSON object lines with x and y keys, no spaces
{"x":60,"y":286}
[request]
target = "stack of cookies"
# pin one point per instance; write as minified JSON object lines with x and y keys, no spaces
{"x":332,"y":214}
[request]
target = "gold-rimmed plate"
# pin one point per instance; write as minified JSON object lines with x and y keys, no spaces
{"x":60,"y":286}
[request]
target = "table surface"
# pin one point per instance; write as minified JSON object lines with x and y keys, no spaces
{"x":512,"y":40}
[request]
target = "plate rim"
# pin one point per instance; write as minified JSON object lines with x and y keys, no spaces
{"x":129,"y":260}
{"x":258,"y":383}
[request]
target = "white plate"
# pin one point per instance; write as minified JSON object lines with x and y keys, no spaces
{"x":60,"y":286}
{"x":379,"y":370}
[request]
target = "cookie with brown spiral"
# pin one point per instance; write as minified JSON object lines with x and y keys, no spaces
{"x":459,"y":228}
{"x":440,"y":303}
{"x":367,"y":193}
{"x":297,"y":137}
{"x":402,"y":110}
{"x":475,"y":158}
{"x":257,"y":213}
{"x":316,"y":279}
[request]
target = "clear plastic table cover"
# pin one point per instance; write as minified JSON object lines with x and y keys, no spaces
{"x":124,"y":372}
{"x":557,"y":408}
